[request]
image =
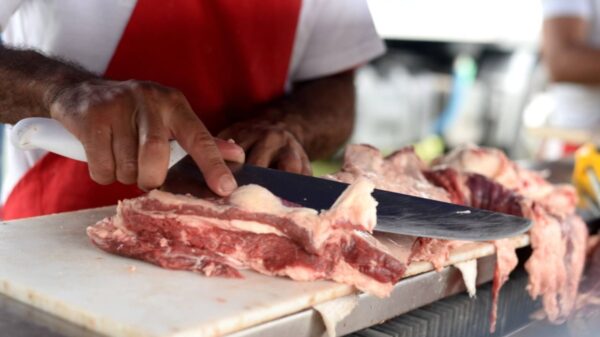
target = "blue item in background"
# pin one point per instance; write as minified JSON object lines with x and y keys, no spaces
{"x":463,"y":77}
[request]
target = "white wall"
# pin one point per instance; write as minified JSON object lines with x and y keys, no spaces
{"x":485,"y":21}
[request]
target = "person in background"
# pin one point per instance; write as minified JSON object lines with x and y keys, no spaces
{"x":127,"y":76}
{"x":571,"y":52}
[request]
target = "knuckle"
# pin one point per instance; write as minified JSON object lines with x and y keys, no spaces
{"x":214,"y":162}
{"x":96,"y":117}
{"x":174,"y":94}
{"x":103,"y":168}
{"x":134,"y":85}
{"x":144,"y":87}
{"x":201,"y":140}
{"x":273,"y":139}
{"x":153,"y":141}
{"x":91,"y":142}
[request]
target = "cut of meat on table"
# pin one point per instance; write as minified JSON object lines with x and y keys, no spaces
{"x":556,"y":264}
{"x":558,"y":235}
{"x":435,"y":251}
{"x":254,"y":229}
{"x":494,"y":164}
{"x":400,"y":172}
{"x":506,"y":262}
{"x":485,"y":178}
{"x":475,"y":190}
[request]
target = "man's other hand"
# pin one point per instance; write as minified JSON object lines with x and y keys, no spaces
{"x":270,"y":144}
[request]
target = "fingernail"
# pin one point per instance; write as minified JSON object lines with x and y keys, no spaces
{"x":242,"y":157}
{"x":227,"y":184}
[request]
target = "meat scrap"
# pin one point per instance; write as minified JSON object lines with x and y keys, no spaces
{"x":401,"y":172}
{"x":254,"y":229}
{"x":493,"y":164}
{"x":506,"y":262}
{"x":558,"y":235}
{"x":485,"y":178}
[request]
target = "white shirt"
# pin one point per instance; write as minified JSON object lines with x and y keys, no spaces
{"x":331,"y":36}
{"x":577,"y":105}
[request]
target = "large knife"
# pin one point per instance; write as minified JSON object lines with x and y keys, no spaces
{"x":396,"y":213}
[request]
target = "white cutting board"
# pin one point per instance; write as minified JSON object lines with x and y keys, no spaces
{"x":49,"y":262}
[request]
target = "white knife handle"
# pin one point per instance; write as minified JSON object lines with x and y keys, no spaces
{"x":48,"y":134}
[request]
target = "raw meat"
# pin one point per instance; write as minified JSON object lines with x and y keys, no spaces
{"x":254,"y":229}
{"x":494,"y":164}
{"x":400,"y":172}
{"x":475,"y":190}
{"x":435,"y":251}
{"x":558,"y":236}
{"x":486,"y":178}
{"x":556,"y":264}
{"x":506,"y":262}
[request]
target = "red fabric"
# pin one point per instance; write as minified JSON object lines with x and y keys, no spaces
{"x":44,"y":189}
{"x":226,"y":56}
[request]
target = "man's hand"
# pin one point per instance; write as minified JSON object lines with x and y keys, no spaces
{"x":270,"y":144}
{"x":125,"y":128}
{"x":312,"y":121}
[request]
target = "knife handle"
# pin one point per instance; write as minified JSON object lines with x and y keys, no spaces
{"x":48,"y":134}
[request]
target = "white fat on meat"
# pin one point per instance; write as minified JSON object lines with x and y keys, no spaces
{"x":257,"y":199}
{"x":201,"y":221}
{"x":250,"y":198}
{"x":468,"y":270}
{"x":354,"y":208}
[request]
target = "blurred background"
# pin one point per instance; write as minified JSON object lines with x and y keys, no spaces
{"x":461,"y":71}
{"x":456,"y":72}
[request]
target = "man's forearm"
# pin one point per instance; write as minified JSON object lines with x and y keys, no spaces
{"x":567,"y":53}
{"x":29,"y":81}
{"x":320,"y":113}
{"x":579,"y":64}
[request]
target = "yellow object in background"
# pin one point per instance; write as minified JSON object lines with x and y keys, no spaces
{"x":430,"y":148}
{"x":323,"y":167}
{"x":586,"y":173}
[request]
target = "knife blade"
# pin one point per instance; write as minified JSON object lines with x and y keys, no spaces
{"x":396,"y":213}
